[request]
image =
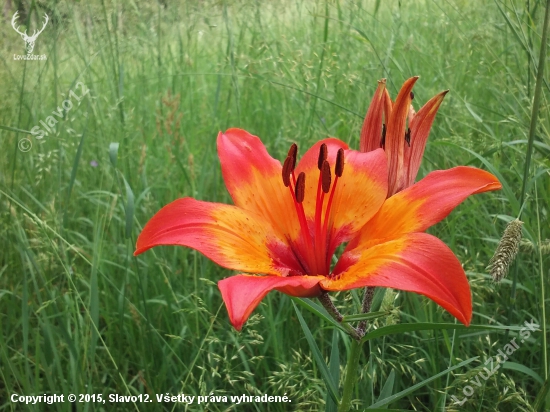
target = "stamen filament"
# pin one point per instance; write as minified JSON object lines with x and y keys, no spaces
{"x":303,"y":226}
{"x":318,"y":212}
{"x":325,"y":224}
{"x":320,"y":235}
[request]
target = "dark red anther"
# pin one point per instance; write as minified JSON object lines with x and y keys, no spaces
{"x":412,"y":96}
{"x":325,"y":177}
{"x":323,"y":152}
{"x":408,"y":136}
{"x":339,"y":168}
{"x":288,"y":166}
{"x":300,"y":187}
{"x":292,"y":153}
{"x":383,"y":140}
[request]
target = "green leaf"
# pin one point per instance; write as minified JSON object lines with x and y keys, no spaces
{"x":113,"y":153}
{"x":376,"y":7}
{"x":128,"y":209}
{"x":413,"y":327}
{"x":334,"y":369}
{"x":388,"y":387}
{"x":379,"y":295}
{"x":317,"y":310}
{"x":325,"y":374}
{"x":364,"y":316}
{"x":524,"y":369}
{"x":410,"y":390}
{"x":541,"y":396}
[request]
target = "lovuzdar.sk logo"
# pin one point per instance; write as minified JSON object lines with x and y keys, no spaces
{"x":29,"y":40}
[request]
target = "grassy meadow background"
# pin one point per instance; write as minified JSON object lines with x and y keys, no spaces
{"x":80,"y":314}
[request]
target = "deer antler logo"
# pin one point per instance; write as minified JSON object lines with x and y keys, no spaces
{"x":29,"y":40}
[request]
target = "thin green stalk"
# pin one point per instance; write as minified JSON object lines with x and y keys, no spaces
{"x":536,"y":102}
{"x":542,"y":298}
{"x":231,"y":55}
{"x":320,"y":70}
{"x":532,"y":129}
{"x":451,"y":358}
{"x":530,"y":45}
{"x":351,"y":375}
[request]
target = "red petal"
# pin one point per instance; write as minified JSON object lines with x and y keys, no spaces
{"x":253,"y":179}
{"x":242,"y":293}
{"x":395,"y":137}
{"x":424,"y":204}
{"x":231,"y":237}
{"x":371,"y":133}
{"x":388,"y":106}
{"x":416,"y":262}
{"x":420,"y":129}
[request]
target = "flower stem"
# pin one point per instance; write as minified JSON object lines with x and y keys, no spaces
{"x":329,"y":306}
{"x":351,"y":375}
{"x":335,"y":313}
{"x":367,"y":301}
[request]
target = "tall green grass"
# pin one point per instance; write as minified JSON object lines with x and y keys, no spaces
{"x":80,"y":314}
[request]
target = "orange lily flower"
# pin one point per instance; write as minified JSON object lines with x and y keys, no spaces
{"x":404,"y":147}
{"x":289,"y":219}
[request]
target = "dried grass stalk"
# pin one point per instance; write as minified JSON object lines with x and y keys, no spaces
{"x":506,"y":251}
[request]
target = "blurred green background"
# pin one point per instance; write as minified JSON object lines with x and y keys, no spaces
{"x":80,"y":314}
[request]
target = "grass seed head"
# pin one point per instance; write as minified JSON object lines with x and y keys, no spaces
{"x":526,"y":246}
{"x":506,"y":251}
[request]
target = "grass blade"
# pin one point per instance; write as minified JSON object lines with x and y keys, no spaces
{"x":523,"y":369}
{"x":364,"y":316}
{"x":113,"y":152}
{"x":74,"y":170}
{"x":327,"y":377}
{"x":540,"y":399}
{"x":317,"y":310}
{"x":14,"y":129}
{"x":128,"y":209}
{"x":410,"y":390}
{"x":387,"y":389}
{"x":334,"y":369}
{"x":415,"y":327}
